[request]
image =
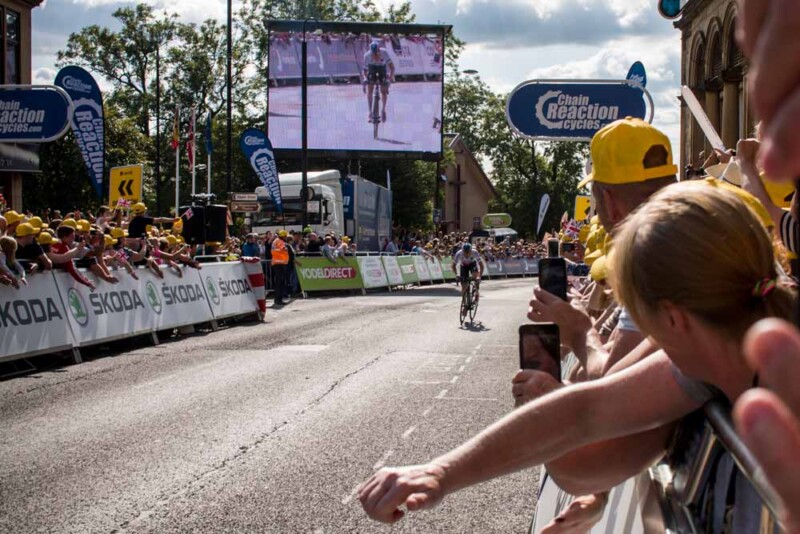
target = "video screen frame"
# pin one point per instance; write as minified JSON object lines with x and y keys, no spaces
{"x":357,"y":28}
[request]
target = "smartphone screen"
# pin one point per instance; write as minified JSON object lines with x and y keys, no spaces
{"x":540,"y":348}
{"x":553,"y":276}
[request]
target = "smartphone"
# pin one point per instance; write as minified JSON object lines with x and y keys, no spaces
{"x":553,"y":276}
{"x":568,"y":247}
{"x":540,"y":348}
{"x":552,"y":248}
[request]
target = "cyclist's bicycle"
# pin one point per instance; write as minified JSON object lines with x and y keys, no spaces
{"x":376,"y":79}
{"x":469,"y":302}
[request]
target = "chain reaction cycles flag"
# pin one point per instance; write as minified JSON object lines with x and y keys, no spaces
{"x":87,"y":120}
{"x":257,"y":149}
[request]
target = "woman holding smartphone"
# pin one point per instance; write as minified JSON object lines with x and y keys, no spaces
{"x":696,"y":301}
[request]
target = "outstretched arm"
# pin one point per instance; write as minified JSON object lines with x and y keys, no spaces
{"x":637,"y":399}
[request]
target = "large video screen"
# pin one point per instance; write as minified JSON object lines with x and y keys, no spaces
{"x":367,"y":92}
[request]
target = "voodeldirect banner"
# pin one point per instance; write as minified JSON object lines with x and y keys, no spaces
{"x":33,"y":114}
{"x":228,"y":289}
{"x":447,"y":268}
{"x":87,"y":119}
{"x":408,"y":269}
{"x":322,"y":274}
{"x":572,"y":111}
{"x":32,"y":319}
{"x":257,"y":149}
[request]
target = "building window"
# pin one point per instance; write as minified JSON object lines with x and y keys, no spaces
{"x":11,"y":46}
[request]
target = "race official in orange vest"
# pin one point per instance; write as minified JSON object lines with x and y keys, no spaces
{"x":280,"y":262}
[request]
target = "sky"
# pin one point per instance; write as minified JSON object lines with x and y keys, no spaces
{"x":508,"y":41}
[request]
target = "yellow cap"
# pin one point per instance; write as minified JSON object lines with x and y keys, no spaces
{"x":592,"y":257}
{"x":46,"y":238}
{"x":172,"y":240}
{"x":177,"y":226}
{"x":780,"y":193}
{"x":213,"y":243}
{"x":12,"y":217}
{"x":138,"y":208}
{"x":109,"y":240}
{"x":25,"y":229}
{"x":84,"y":225}
{"x":599,"y":270}
{"x":752,"y":202}
{"x":583,"y":236}
{"x":283,"y":233}
{"x":37,"y":222}
{"x":72,"y":223}
{"x":619,"y":150}
{"x":595,"y":221}
{"x":118,"y":233}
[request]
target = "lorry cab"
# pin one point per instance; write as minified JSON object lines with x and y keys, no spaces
{"x":325,"y":212}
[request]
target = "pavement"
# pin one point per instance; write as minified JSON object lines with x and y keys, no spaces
{"x":269,"y":427}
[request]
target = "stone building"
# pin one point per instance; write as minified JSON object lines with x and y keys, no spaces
{"x":716,"y":70}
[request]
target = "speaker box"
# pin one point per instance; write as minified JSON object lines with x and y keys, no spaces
{"x":216,"y":223}
{"x":194,"y":228}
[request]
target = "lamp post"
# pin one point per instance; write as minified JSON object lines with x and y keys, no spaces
{"x":158,"y":127}
{"x":229,"y":84}
{"x":304,"y":123}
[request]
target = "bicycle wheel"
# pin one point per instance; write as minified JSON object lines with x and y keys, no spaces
{"x":376,"y":112}
{"x":464,"y":307}
{"x":473,"y":309}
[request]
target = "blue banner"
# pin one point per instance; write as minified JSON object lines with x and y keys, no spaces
{"x":87,"y":119}
{"x":33,"y":114}
{"x":571,"y":111}
{"x":637,"y":74}
{"x":258,"y":151}
{"x":348,"y":192}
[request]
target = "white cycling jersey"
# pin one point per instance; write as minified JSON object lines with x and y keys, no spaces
{"x":380,"y":59}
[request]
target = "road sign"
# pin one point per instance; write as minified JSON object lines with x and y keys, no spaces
{"x":244,"y":197}
{"x":244,"y":207}
{"x":583,"y":205}
{"x":671,"y":9}
{"x":573,"y":110}
{"x":126,"y":183}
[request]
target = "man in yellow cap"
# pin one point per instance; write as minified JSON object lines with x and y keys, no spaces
{"x":137,"y":228}
{"x":280,"y":263}
{"x":12,"y":220}
{"x":29,"y":250}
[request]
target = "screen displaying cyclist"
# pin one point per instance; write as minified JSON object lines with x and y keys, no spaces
{"x":376,"y":63}
{"x":470,"y":265}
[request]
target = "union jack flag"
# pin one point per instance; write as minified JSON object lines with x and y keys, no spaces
{"x":573,"y":229}
{"x":121,"y":255}
{"x":123,"y":203}
{"x":188,"y":214}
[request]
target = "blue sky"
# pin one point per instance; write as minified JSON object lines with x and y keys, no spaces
{"x":509,"y":41}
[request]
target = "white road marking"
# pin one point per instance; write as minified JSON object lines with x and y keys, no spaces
{"x":467,"y":399}
{"x":441,"y":394}
{"x":421,"y":382}
{"x":352,"y":495}
{"x":454,"y":379}
{"x":302,"y":348}
{"x":408,"y":432}
{"x":461,"y":369}
{"x":478,"y":347}
{"x":427,"y":412}
{"x":468,"y":360}
{"x":382,"y":462}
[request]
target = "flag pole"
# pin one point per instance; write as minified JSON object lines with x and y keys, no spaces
{"x":208,"y":186}
{"x":194,"y":154}
{"x":177,"y":163}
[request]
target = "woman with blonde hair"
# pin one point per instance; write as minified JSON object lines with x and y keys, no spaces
{"x":696,"y":267}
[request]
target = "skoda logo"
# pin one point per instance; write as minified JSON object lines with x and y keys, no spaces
{"x":77,"y":306}
{"x":213,"y":293}
{"x":152,"y":297}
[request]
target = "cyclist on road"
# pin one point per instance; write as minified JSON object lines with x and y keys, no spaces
{"x":376,"y":61}
{"x":470,"y":264}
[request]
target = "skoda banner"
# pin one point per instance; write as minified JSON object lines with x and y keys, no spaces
{"x":372,"y":271}
{"x":87,"y":120}
{"x":555,"y":110}
{"x":33,"y":114}
{"x":258,"y":150}
{"x":228,"y":289}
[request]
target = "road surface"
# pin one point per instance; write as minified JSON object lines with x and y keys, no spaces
{"x":269,"y":427}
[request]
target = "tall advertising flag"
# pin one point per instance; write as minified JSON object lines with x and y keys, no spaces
{"x":209,"y":142}
{"x":257,"y":149}
{"x":544,"y":205}
{"x":87,"y":121}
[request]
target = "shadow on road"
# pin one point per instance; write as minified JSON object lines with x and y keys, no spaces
{"x":476,"y":327}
